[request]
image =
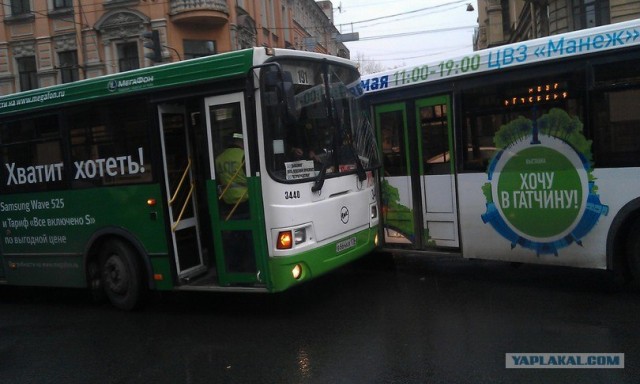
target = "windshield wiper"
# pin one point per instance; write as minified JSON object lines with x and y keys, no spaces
{"x":319,"y":183}
{"x":362,"y":175}
{"x":320,"y":178}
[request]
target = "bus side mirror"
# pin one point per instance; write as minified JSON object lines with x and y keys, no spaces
{"x":281,"y":84}
{"x":289,"y":96}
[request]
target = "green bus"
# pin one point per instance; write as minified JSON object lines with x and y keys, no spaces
{"x":113,"y":183}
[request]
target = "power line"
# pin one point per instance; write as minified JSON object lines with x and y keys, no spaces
{"x":407,"y":17}
{"x":403,"y":34}
{"x":404,"y":13}
{"x":369,"y":4}
{"x":430,"y":54}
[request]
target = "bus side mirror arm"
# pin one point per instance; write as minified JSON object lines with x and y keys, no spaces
{"x":284,"y":85}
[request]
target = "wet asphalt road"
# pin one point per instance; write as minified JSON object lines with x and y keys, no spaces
{"x":435,"y":321}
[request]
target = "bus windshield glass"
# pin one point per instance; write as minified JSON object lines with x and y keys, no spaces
{"x":314,"y":123}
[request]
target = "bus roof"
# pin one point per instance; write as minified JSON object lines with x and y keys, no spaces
{"x":231,"y":64}
{"x":598,"y":39}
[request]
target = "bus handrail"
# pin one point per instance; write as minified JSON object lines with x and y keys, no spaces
{"x":184,"y":206}
{"x":235,"y":206}
{"x":226,"y":187}
{"x":184,"y":176}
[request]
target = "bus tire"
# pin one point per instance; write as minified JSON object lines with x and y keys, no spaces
{"x":120,"y":275}
{"x":632,"y":249}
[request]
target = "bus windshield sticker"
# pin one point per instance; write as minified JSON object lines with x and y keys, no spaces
{"x":301,"y":169}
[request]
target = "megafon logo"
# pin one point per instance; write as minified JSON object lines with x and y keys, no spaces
{"x":541,"y":194}
{"x":112,"y":86}
{"x":131,"y":83}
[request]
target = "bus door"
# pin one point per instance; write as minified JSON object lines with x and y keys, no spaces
{"x":180,"y":190}
{"x":396,"y":181}
{"x":231,"y":189}
{"x":436,"y":169}
{"x":418,"y":183}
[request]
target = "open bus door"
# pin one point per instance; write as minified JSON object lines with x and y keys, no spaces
{"x":236,"y":227}
{"x":180,"y":190}
{"x":418,"y":183}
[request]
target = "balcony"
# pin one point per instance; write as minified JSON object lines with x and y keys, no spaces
{"x":199,"y":11}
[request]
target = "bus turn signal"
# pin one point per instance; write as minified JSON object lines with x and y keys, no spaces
{"x":285,"y":240}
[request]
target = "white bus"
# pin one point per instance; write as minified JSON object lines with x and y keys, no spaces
{"x":528,"y":152}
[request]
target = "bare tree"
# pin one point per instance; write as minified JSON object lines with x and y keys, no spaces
{"x":368,"y":66}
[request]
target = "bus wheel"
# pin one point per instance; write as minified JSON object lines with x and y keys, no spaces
{"x":633,"y":253}
{"x":120,"y":275}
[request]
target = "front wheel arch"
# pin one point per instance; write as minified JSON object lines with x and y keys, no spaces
{"x":632,"y":253}
{"x":92,"y":251}
{"x":618,"y":240}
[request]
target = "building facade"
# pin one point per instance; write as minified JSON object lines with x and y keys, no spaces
{"x":508,"y":21}
{"x":47,"y":42}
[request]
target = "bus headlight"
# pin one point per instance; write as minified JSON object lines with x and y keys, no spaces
{"x":299,"y":236}
{"x":374,"y":214}
{"x":296,"y":272}
{"x":293,"y":237}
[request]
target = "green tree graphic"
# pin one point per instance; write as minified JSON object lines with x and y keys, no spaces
{"x":397,"y":216}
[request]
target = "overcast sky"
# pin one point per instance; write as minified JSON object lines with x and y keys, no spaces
{"x":406,"y":32}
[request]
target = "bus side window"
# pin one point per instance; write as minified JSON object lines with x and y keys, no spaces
{"x":435,"y":139}
{"x":393,"y":148}
{"x":106,"y":133}
{"x":32,"y":142}
{"x":478,"y":143}
{"x":483,"y":115}
{"x":616,"y":142}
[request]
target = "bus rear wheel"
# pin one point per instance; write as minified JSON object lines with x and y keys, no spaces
{"x":120,"y":275}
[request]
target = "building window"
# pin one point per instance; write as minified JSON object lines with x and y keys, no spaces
{"x":263,"y":14}
{"x":590,"y":13}
{"x":27,"y":73}
{"x":68,"y":66}
{"x":198,"y":48}
{"x":272,"y":16}
{"x":285,"y":22}
{"x":62,"y":4}
{"x":128,"y":57}
{"x":20,"y":7}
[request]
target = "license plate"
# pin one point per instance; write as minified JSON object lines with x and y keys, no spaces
{"x":346,"y":244}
